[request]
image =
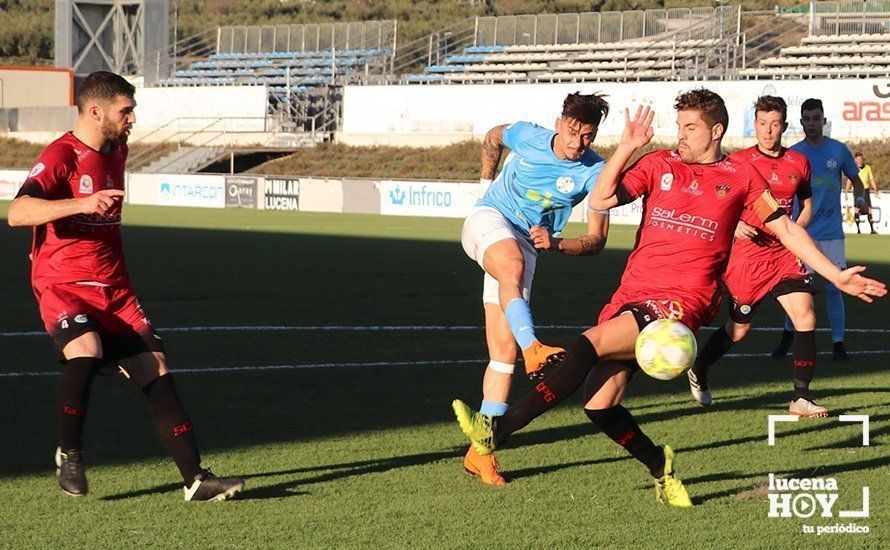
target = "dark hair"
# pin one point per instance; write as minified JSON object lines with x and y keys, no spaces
{"x":708,"y":103}
{"x":102,"y":85}
{"x":811,"y":105}
{"x":586,"y":109}
{"x":859,"y":154}
{"x":770,"y":104}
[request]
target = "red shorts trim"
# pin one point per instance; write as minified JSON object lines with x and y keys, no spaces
{"x":748,"y":281}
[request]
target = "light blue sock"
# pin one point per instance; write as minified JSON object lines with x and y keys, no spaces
{"x":493,"y":408}
{"x":519,"y":316}
{"x":789,"y":326}
{"x":836,"y":312}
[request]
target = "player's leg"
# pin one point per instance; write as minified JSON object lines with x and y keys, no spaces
{"x":614,"y":339}
{"x":82,"y":355}
{"x":799,"y":306}
{"x":720,"y":342}
{"x":148,"y":370}
{"x":605,"y":389}
{"x":834,"y":251}
{"x":489,"y":239}
{"x":495,"y":383}
{"x":140,"y":354}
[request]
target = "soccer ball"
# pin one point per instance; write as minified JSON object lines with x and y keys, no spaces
{"x":665,"y":348}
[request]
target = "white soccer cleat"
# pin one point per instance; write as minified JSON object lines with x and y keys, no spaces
{"x":699,"y":389}
{"x":807,"y":409}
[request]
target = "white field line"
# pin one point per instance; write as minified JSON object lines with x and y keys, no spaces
{"x":398,"y":328}
{"x":442,"y":362}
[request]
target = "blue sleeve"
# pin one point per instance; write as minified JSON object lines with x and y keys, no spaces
{"x":518,"y":132}
{"x":848,"y":163}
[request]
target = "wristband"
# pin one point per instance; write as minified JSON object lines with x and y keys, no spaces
{"x":604,"y":212}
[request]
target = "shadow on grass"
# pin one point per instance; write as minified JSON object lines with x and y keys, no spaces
{"x":291,"y":487}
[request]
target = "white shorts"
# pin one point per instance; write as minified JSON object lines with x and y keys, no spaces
{"x":834,"y":250}
{"x":485,"y":226}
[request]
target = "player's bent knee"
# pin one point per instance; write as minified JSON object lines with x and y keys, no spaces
{"x":145,"y":368}
{"x":739,"y":331}
{"x":804,"y":321}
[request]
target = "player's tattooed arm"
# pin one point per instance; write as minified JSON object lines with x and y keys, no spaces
{"x":492,"y":148}
{"x":585,"y":245}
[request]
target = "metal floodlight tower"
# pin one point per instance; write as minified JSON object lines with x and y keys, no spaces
{"x":128,"y":37}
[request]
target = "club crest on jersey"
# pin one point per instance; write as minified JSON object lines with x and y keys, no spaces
{"x":693,"y":189}
{"x":793,"y":178}
{"x":565,"y":184}
{"x":831,"y":164}
{"x":86,"y":184}
{"x":722,"y":189}
{"x":666,"y":181}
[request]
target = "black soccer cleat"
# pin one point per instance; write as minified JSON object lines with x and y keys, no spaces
{"x":209,"y":487}
{"x":839,"y":352}
{"x":71,"y":472}
{"x":784,"y":345}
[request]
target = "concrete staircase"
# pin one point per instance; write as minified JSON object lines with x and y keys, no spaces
{"x":183,"y":160}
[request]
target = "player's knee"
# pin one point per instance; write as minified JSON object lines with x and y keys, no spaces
{"x":804,"y":320}
{"x":738,"y":331}
{"x":511,"y":272}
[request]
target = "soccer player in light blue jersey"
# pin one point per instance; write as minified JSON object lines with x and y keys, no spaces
{"x":546,"y":173}
{"x":829,"y":160}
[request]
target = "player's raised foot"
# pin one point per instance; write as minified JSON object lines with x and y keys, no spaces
{"x":669,"y":489}
{"x":71,"y":472}
{"x":805,"y":408}
{"x":698,"y":385}
{"x":839,"y":352}
{"x":540,"y":360}
{"x":478,"y":427}
{"x":209,"y":487}
{"x":485,"y":467}
{"x":781,"y":349}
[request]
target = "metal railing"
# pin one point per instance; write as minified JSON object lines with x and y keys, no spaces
{"x":850,"y":17}
{"x":590,"y":27}
{"x":308,"y":37}
{"x":767,"y":37}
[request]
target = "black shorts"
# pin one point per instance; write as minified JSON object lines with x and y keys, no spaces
{"x":863,"y":202}
{"x":118,"y":348}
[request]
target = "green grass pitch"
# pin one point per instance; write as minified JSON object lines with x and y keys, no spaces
{"x":369,"y":455}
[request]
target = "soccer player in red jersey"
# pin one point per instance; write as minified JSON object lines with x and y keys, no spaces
{"x":72,"y":198}
{"x":693,"y":198}
{"x":760,"y":266}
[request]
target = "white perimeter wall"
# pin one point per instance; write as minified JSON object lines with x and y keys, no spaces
{"x":855,"y":109}
{"x":158,"y":106}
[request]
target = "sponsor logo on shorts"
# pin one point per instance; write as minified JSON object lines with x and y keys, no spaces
{"x":86,"y":184}
{"x":81,"y":319}
{"x":666,"y":181}
{"x":565,"y":184}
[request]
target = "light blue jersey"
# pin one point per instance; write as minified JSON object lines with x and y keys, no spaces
{"x":535,"y":187}
{"x":826,"y":165}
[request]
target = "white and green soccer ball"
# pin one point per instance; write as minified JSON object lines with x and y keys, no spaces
{"x":665,"y":349}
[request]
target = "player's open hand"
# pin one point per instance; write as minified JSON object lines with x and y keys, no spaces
{"x":854,"y":284}
{"x":638,"y":131}
{"x":745,"y":231}
{"x":101,"y":202}
{"x":541,"y":238}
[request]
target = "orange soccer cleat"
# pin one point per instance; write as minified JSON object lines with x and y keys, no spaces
{"x":541,"y":359}
{"x":484,"y":466}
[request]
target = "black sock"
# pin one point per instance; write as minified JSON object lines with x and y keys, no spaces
{"x":563,"y":382}
{"x":74,"y":393}
{"x":173,"y":426}
{"x":617,"y":423}
{"x":717,"y":345}
{"x":804,"y":356}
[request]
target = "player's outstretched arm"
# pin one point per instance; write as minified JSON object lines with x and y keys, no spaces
{"x":796,"y":239}
{"x":30,"y":211}
{"x":637,"y":133}
{"x":585,"y":245}
{"x":492,"y":149}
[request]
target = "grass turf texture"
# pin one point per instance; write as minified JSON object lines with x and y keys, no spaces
{"x":371,"y":456}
